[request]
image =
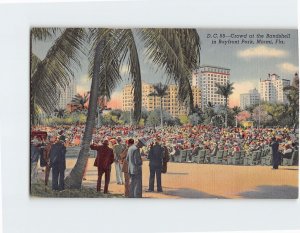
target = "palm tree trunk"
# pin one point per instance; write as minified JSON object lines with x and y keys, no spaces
{"x":74,"y":180}
{"x":226,"y":116}
{"x":161,"y":113}
{"x":30,"y":73}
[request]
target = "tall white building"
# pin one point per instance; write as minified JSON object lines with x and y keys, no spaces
{"x":67,"y":95}
{"x":271,"y":89}
{"x":206,"y":78}
{"x":249,"y":99}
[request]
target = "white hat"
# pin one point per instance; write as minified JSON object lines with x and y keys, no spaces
{"x":35,"y":141}
{"x":143,"y":141}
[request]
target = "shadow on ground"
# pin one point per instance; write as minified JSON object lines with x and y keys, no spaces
{"x":177,"y":173}
{"x":290,"y":169}
{"x":272,"y":192}
{"x":189,"y":193}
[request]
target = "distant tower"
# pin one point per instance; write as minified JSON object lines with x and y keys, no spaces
{"x":249,"y":99}
{"x":67,"y":94}
{"x":271,"y":89}
{"x":206,"y":78}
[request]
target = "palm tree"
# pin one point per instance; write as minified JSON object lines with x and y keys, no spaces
{"x":80,"y":101}
{"x":225,"y":90}
{"x":176,"y":51}
{"x":52,"y":74}
{"x":236,"y":110}
{"x":60,"y":112}
{"x":209,"y":112}
{"x":160,"y":90}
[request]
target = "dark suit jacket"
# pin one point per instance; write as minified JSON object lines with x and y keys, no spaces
{"x":58,"y":155}
{"x":275,"y":146}
{"x":105,"y":157}
{"x":155,"y":156}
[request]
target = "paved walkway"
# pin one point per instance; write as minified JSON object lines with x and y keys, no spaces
{"x":189,"y":180}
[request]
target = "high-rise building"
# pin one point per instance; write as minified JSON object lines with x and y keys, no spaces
{"x":249,"y":99}
{"x":170,"y":101}
{"x":206,"y":78}
{"x":127,"y":98}
{"x":271,"y":89}
{"x":67,"y":94}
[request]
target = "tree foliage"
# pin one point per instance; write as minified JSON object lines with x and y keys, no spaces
{"x":53,"y":74}
{"x":292,"y":95}
{"x":80,"y":101}
{"x":175,"y":51}
{"x":225,"y":90}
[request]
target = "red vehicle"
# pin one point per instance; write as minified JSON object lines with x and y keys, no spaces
{"x":41,"y":135}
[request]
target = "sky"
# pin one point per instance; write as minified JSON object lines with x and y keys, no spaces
{"x":248,"y":63}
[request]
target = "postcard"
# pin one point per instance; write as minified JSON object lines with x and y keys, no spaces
{"x":164,"y":113}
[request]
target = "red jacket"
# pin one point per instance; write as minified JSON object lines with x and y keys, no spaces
{"x":105,"y":156}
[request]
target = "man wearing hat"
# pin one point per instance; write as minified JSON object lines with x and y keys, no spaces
{"x":135,"y":168}
{"x":103,"y":161}
{"x":275,"y":154}
{"x":155,"y":163}
{"x":118,"y":149}
{"x":57,"y":156}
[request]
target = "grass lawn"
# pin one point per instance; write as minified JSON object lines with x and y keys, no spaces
{"x":40,"y":190}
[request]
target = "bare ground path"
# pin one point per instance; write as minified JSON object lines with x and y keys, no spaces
{"x":189,"y":180}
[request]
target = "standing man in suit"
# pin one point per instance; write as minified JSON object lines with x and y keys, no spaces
{"x":275,"y":154}
{"x":57,"y":156}
{"x":35,"y":154}
{"x":156,"y":155}
{"x":124,"y":163}
{"x":135,"y":167}
{"x":47,"y":158}
{"x":103,"y":161}
{"x":118,"y":149}
{"x":166,"y":158}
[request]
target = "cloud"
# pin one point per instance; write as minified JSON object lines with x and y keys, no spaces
{"x":262,"y":51}
{"x":83,"y":84}
{"x":240,"y":88}
{"x":288,"y":67}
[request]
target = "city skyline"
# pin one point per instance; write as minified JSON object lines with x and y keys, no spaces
{"x":248,"y":63}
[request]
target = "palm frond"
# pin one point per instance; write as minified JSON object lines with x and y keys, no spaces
{"x":55,"y":72}
{"x":224,"y":90}
{"x":177,"y":52}
{"x":80,"y":100}
{"x":153,"y":94}
{"x":108,"y":72}
{"x":160,"y":90}
{"x":43,"y":33}
{"x":125,"y":47}
{"x":34,"y":62}
{"x":60,"y":112}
